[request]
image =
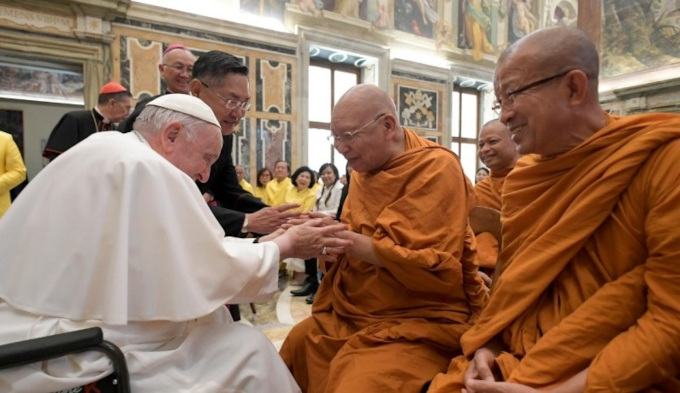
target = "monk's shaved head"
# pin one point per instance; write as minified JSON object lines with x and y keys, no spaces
{"x":546,"y":87}
{"x":556,"y":49}
{"x":496,"y":149}
{"x":365,"y":99}
{"x":366,"y":127}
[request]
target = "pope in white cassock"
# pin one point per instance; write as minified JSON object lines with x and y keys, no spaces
{"x":116,"y":234}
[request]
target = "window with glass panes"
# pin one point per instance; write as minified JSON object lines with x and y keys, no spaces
{"x":327,"y":83}
{"x":464,"y":124}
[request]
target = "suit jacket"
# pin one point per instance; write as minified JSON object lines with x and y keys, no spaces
{"x":233,"y":201}
{"x":126,"y":125}
{"x":72,"y":128}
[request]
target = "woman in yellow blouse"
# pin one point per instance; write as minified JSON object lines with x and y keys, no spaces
{"x":302,"y":191}
{"x":264,"y":176}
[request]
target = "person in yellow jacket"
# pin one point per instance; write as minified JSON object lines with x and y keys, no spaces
{"x":277,"y":188}
{"x":12,"y":169}
{"x":240,"y":175}
{"x":302,"y":189}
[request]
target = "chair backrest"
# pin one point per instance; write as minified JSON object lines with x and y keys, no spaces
{"x":486,"y":219}
{"x":92,"y":339}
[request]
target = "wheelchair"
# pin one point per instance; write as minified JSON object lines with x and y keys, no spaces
{"x":92,"y":339}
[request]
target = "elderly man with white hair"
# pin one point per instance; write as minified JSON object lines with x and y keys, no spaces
{"x":116,"y":234}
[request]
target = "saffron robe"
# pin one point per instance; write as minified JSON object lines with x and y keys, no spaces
{"x":390,"y":328}
{"x":488,"y":193}
{"x":590,"y":275}
{"x":113,"y":235}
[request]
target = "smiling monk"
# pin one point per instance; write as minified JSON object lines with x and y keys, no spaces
{"x":499,"y":153}
{"x":392,"y":309}
{"x":587,"y":298}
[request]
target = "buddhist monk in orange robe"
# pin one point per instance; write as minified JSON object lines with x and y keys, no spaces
{"x":587,"y":299}
{"x":390,"y":312}
{"x":499,"y":153}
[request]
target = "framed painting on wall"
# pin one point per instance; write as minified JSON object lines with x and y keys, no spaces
{"x":27,"y":82}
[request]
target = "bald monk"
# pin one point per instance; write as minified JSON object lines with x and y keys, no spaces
{"x":499,"y":153}
{"x":392,"y":309}
{"x":587,"y":299}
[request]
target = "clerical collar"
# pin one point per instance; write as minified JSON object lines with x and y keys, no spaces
{"x":104,"y":118}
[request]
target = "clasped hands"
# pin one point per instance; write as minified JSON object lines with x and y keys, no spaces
{"x":329,"y":253}
{"x":309,"y":236}
{"x":482,"y":376}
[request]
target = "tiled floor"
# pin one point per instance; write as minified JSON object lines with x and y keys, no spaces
{"x":277,"y":316}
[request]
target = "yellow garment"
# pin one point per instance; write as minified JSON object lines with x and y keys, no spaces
{"x":488,"y":193}
{"x":391,"y":328}
{"x":305,"y":198}
{"x":589,"y":275}
{"x":245,"y":185}
{"x":276,"y":191}
{"x":261,"y":192}
{"x":12,"y":169}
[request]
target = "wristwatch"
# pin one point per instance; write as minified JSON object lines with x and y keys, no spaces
{"x":244,"y":228}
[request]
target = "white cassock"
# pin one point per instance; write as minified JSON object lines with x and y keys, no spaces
{"x":111,"y":234}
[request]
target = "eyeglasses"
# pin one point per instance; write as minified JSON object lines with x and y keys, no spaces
{"x":228,"y":102}
{"x":180,"y":68}
{"x":499,"y":104}
{"x":347,"y":137}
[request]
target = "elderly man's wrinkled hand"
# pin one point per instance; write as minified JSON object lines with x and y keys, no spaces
{"x":270,"y":219}
{"x":481,"y":368}
{"x":304,"y":217}
{"x":309,"y":239}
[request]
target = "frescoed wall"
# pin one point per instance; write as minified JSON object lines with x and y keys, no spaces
{"x":398,"y":44}
{"x":474,"y":30}
{"x":639,"y":35}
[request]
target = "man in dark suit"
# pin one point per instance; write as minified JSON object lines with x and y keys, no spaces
{"x":221,"y":81}
{"x":113,"y":105}
{"x":176,"y":67}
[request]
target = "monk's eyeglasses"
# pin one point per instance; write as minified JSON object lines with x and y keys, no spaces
{"x":228,"y":102}
{"x":499,"y":104}
{"x":348,"y":136}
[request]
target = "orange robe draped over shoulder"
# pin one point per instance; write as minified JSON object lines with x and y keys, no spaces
{"x":590,"y":265}
{"x":488,"y":193}
{"x":391,"y":328}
